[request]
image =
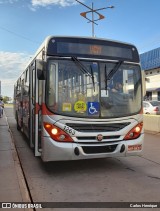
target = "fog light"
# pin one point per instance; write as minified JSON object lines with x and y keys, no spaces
{"x":122,"y":148}
{"x":76,"y":151}
{"x":61,"y":137}
{"x":131,"y":135}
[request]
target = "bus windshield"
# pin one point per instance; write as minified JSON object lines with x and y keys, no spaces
{"x":93,"y":89}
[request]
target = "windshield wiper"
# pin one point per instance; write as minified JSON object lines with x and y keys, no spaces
{"x":92,"y":76}
{"x":114,"y":70}
{"x":106,"y":80}
{"x":81,"y":66}
{"x":84,"y":70}
{"x":111,"y":73}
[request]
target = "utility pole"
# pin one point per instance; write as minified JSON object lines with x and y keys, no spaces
{"x":92,"y":21}
{"x":93,"y":11}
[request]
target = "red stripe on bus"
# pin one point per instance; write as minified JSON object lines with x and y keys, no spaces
{"x":141,"y":111}
{"x":45,"y":110}
{"x":37,"y":108}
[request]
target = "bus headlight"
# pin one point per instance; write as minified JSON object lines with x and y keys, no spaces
{"x":57,"y":133}
{"x":135,"y":132}
{"x":54,"y":131}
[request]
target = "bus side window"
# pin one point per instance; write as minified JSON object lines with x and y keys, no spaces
{"x":26,"y":83}
{"x":18,"y":88}
{"x":52,"y":85}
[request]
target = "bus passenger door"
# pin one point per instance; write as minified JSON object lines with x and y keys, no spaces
{"x":35,"y":112}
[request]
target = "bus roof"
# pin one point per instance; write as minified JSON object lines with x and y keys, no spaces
{"x":50,"y":37}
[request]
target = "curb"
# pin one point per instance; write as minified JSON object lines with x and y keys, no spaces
{"x":20,"y":175}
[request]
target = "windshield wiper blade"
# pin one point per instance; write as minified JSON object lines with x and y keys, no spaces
{"x":92,"y":76}
{"x":114,"y":70}
{"x":84,"y":70}
{"x":106,"y":80}
{"x":111,"y":73}
{"x":81,"y":66}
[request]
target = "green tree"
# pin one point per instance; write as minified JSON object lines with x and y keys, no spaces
{"x":6,"y":99}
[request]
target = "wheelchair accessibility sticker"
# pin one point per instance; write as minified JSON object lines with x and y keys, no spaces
{"x":93,"y":108}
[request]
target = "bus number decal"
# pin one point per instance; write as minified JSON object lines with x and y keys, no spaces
{"x":69,"y":130}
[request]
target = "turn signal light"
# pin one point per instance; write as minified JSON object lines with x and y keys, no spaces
{"x":56,"y":133}
{"x":135,"y":132}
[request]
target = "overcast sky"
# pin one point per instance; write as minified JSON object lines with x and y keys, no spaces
{"x":24,"y":24}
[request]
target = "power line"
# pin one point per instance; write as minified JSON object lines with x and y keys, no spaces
{"x":19,"y":35}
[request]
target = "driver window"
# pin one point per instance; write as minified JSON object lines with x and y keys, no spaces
{"x":52,"y":85}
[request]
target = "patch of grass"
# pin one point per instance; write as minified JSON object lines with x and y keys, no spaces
{"x":8,"y":105}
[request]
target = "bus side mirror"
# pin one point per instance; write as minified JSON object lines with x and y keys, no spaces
{"x":41,"y":69}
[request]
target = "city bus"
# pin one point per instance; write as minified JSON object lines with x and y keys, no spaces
{"x":81,"y":98}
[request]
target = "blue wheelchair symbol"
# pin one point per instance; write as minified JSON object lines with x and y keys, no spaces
{"x":93,"y":108}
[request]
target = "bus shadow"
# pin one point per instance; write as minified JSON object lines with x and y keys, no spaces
{"x":89,"y":165}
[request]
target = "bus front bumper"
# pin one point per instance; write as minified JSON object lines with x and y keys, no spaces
{"x":56,"y":151}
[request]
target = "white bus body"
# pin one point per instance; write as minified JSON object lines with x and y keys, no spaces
{"x":81,"y":98}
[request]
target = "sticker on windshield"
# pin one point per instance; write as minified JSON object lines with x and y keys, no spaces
{"x":66,"y":107}
{"x":93,"y":108}
{"x":80,"y":106}
{"x":104,"y":93}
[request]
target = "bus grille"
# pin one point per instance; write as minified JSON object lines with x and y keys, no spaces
{"x":81,"y":138}
{"x":99,"y":149}
{"x":98,"y":127}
